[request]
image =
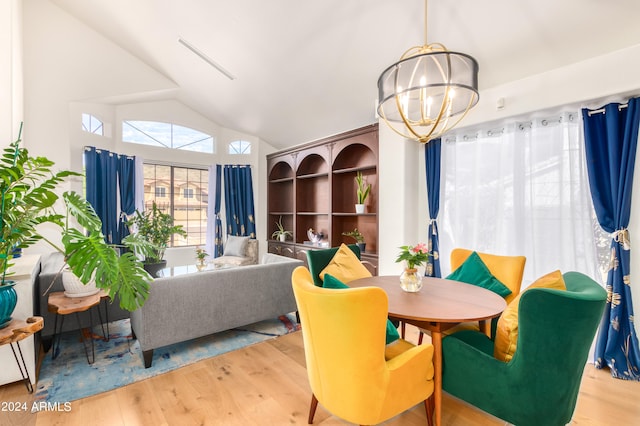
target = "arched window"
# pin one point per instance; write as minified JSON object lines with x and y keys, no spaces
{"x":240,"y":147}
{"x":92,"y":124}
{"x":167,"y":135}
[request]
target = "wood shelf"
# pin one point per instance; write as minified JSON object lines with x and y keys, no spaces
{"x":312,"y":176}
{"x":355,"y":169}
{"x":282,"y":180}
{"x":313,"y":186}
{"x":353,"y":214}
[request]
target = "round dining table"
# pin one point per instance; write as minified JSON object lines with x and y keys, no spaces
{"x":438,"y":306}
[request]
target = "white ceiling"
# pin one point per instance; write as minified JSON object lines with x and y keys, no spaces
{"x":305,"y":70}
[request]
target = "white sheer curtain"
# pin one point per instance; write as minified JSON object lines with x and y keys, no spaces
{"x":211,"y":213}
{"x":139,"y":164}
{"x":520,"y":190}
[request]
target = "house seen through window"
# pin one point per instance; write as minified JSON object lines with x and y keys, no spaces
{"x":183,"y":193}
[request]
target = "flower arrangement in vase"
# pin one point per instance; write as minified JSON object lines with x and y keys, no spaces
{"x":413,"y":256}
{"x":201,"y":255}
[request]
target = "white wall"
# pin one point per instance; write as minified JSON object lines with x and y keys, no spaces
{"x":401,"y":187}
{"x":590,"y":83}
{"x":11,"y":87}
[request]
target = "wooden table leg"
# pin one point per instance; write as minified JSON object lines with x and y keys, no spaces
{"x":436,"y":341}
{"x":485,"y":327}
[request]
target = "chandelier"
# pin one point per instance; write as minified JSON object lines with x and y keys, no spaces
{"x":428,"y":91}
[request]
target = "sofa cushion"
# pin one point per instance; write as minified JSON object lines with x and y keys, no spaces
{"x":507,"y":330}
{"x":331,"y":282}
{"x":345,"y":266}
{"x":474,"y":271}
{"x":235,"y":246}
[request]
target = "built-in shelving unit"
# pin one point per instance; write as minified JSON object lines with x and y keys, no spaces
{"x":313,"y":186}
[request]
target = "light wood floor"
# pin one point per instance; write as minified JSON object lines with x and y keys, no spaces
{"x":266,"y":384}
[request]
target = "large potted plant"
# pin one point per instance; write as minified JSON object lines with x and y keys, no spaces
{"x":157,"y":228}
{"x":28,"y":199}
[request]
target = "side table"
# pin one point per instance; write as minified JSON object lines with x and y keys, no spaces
{"x":16,"y":331}
{"x":61,"y":305}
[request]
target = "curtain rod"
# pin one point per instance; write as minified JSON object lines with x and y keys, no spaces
{"x":601,"y":110}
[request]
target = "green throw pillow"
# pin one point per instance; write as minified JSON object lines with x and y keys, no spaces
{"x":331,"y":282}
{"x":474,"y":271}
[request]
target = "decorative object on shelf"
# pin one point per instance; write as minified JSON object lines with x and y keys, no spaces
{"x":314,"y":237}
{"x":280,"y":233}
{"x":201,"y":255}
{"x":156,"y":227}
{"x":363,"y":192}
{"x":356,"y":235}
{"x":413,"y":256}
{"x":428,"y":91}
{"x":28,"y":187}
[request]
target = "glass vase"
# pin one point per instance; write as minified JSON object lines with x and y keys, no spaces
{"x":411,"y":280}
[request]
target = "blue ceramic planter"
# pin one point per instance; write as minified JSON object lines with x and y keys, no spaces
{"x":8,"y":301}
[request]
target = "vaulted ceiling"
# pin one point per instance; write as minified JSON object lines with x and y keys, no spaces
{"x":304,"y":70}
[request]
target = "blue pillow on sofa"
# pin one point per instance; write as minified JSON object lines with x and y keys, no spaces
{"x":331,"y":282}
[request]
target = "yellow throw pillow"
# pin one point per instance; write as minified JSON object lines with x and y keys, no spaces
{"x":345,"y":266}
{"x":507,"y":330}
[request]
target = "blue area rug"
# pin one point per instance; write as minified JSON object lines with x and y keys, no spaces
{"x":118,"y":362}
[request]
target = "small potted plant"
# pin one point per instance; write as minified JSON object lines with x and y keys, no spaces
{"x":280,"y":233}
{"x":201,"y":255}
{"x":157,"y":228}
{"x":363,"y":190}
{"x":356,"y":235}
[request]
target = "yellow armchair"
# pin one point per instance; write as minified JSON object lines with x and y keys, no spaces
{"x":508,"y":269}
{"x":344,"y":343}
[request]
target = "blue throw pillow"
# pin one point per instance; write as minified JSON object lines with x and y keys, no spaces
{"x":474,"y":271}
{"x":331,"y":282}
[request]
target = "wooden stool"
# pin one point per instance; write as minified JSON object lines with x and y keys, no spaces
{"x":62,"y":305}
{"x":19,"y":330}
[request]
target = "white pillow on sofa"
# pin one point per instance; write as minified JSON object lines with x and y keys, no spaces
{"x":235,"y":246}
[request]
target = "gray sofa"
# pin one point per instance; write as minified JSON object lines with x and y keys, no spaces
{"x":193,"y":305}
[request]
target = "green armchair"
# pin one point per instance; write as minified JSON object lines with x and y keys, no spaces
{"x":319,"y":259}
{"x":539,"y":386}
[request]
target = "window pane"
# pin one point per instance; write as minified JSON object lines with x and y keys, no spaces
{"x":92,"y":124}
{"x":191,"y":140}
{"x":240,"y":147}
{"x":166,"y":135}
{"x":187,"y":203}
